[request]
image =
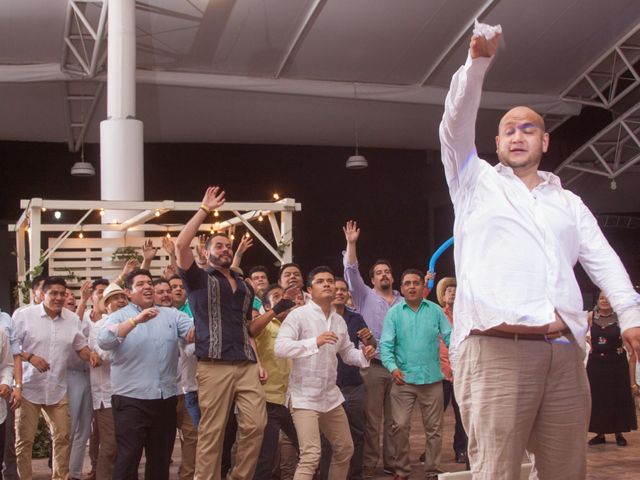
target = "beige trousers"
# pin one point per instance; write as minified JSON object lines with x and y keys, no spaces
{"x":59,"y":421}
{"x":334,"y":425}
{"x":523,"y":394}
{"x":220,"y":383}
{"x":107,"y":449}
{"x":431,"y":402}
{"x":378,"y":421}
{"x":188,"y":440}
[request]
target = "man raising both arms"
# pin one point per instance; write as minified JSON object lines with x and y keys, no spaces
{"x":517,"y":342}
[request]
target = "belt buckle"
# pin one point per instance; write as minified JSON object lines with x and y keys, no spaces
{"x":552,"y":335}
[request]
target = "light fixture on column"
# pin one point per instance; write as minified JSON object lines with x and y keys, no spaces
{"x":357,"y":161}
{"x":82,"y":168}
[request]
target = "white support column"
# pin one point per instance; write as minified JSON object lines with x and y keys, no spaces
{"x":121,"y":135}
{"x":286,"y":230}
{"x":34,"y":233}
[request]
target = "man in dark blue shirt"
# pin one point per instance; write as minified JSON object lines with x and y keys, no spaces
{"x":227,"y":370}
{"x":351,"y":386}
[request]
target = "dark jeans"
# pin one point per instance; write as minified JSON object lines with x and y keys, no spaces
{"x":278,"y":418}
{"x":143,"y":424}
{"x":354,"y":403}
{"x":459,"y":435}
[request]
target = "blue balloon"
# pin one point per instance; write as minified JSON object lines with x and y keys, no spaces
{"x":434,"y":259}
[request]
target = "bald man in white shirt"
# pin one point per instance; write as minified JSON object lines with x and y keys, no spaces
{"x":518,"y":341}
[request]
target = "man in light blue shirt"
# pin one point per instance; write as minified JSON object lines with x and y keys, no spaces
{"x":144,"y":340}
{"x":410,"y":350}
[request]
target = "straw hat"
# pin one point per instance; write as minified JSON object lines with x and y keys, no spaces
{"x":442,"y":287}
{"x":110,"y":291}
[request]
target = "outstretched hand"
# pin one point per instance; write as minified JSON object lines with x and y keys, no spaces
{"x":148,"y":250}
{"x":351,"y":231}
{"x":481,"y":47}
{"x":213,"y":198}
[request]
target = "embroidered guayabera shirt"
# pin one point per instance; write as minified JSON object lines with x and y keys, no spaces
{"x":312,"y":382}
{"x":220,"y":314}
{"x":515,"y":249}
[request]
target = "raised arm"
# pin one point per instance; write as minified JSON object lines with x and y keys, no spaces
{"x":457,"y":129}
{"x":245,"y":244}
{"x":213,"y":198}
{"x":357,"y":288}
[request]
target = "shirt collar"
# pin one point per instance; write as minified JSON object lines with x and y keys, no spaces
{"x":422,"y":302}
{"x":43,"y":312}
{"x":547,"y":177}
{"x":313,"y":305}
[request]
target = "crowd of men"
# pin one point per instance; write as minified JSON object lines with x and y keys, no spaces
{"x":319,"y":377}
{"x":262,"y":380}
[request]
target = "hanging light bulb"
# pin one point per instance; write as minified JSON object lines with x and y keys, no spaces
{"x":80,"y":235}
{"x":168,"y":235}
{"x":276,"y":196}
{"x":44,"y":209}
{"x":157,"y":213}
{"x":232,"y":237}
{"x":216,"y":213}
{"x":260,"y":217}
{"x":248,"y":235}
{"x":102,"y":212}
{"x":357,"y":161}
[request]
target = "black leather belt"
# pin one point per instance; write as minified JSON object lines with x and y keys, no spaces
{"x":544,"y":337}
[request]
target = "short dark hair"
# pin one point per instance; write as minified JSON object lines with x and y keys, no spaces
{"x":36,"y":280}
{"x":340,"y":279}
{"x":316,"y":271}
{"x":265,"y":297}
{"x":128,"y":280}
{"x":411,"y":271}
{"x":99,"y":281}
{"x":380,"y":261}
{"x":49,"y":281}
{"x":258,"y":268}
{"x":176,"y":277}
{"x":287,"y":265}
{"x":160,"y":280}
{"x":207,"y":244}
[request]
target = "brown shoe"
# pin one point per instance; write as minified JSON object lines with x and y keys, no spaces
{"x":368,"y":472}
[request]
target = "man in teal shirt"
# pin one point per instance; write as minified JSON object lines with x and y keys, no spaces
{"x":410,"y":350}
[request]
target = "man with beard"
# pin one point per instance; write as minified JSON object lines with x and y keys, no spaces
{"x":162,"y":293}
{"x":373,"y":304}
{"x":227,"y":368}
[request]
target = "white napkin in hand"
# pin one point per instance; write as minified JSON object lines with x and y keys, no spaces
{"x":486,"y":31}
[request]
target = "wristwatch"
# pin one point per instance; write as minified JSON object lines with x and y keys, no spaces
{"x":18,"y":386}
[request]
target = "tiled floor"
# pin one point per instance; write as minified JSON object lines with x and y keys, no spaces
{"x":605,"y":462}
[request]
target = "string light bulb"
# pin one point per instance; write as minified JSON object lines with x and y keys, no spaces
{"x":216,"y":213}
{"x":248,"y":235}
{"x":102,"y":212}
{"x":168,"y":235}
{"x":44,"y":209}
{"x":260,"y":217}
{"x":80,"y":235}
{"x":157,"y":213}
{"x":276,"y":196}
{"x":232,"y":237}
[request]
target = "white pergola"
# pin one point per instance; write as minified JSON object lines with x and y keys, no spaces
{"x":89,"y":257}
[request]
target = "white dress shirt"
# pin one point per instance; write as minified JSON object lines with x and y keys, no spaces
{"x":187,"y":366}
{"x":515,"y":249}
{"x":53,"y":339}
{"x":100,"y":376}
{"x":312,"y":382}
{"x":6,"y":367}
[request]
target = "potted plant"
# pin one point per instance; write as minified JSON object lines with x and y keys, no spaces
{"x":122,"y":255}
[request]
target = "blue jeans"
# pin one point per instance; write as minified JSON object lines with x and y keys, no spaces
{"x":191,"y":402}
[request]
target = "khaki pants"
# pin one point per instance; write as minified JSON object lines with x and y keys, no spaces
{"x":59,"y":421}
{"x":430,"y":400}
{"x":378,"y":421}
{"x":188,"y":441}
{"x":334,"y":425}
{"x":523,"y":394}
{"x":220,"y":383}
{"x":107,"y":449}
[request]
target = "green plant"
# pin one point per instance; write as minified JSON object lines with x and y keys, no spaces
{"x":23,"y":288}
{"x":42,"y":442}
{"x":124,"y":254}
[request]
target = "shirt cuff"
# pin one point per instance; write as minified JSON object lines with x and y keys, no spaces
{"x":311,"y":345}
{"x":630,"y":318}
{"x":345,"y":263}
{"x":477,"y":66}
